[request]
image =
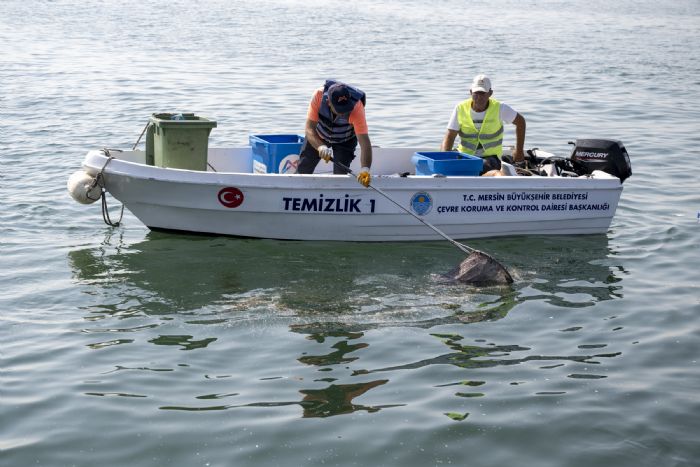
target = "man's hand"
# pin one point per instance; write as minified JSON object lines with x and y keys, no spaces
{"x":364,"y":177}
{"x":325,"y":153}
{"x":518,"y":155}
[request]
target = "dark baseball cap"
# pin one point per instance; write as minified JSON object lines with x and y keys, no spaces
{"x":339,"y":96}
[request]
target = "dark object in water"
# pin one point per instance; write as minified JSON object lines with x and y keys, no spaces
{"x":480,"y":269}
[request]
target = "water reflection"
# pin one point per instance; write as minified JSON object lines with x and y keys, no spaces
{"x":476,"y":356}
{"x":169,"y":272}
{"x":185,"y":342}
{"x":212,"y":277}
{"x":336,"y":399}
{"x":586,"y":363}
{"x":333,"y":294}
{"x":569,"y":271}
{"x":221,"y":280}
{"x":175,"y":272}
{"x":339,"y":355}
{"x":189,"y":272}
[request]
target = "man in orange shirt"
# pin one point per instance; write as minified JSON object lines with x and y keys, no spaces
{"x":335,"y":123}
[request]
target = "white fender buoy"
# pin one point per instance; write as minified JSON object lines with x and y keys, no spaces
{"x":81,"y":188}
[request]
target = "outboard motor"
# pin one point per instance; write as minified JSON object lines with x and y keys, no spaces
{"x":601,"y":154}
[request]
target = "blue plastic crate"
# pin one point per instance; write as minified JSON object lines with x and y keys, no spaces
{"x":447,"y":163}
{"x":275,"y":153}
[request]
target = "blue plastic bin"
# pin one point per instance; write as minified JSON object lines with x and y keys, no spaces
{"x":270,"y":153}
{"x":447,"y":163}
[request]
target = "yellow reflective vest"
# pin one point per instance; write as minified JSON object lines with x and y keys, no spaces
{"x":489,"y":137}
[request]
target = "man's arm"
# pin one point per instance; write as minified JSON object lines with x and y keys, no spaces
{"x":518,"y":152}
{"x":365,"y":150}
{"x":311,"y":135}
{"x":449,"y":140}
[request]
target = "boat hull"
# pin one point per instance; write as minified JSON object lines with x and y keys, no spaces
{"x":329,"y":207}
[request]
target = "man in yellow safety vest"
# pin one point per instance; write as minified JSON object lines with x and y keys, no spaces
{"x":479,"y":123}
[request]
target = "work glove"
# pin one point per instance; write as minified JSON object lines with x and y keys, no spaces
{"x":325,"y":153}
{"x":364,"y":177}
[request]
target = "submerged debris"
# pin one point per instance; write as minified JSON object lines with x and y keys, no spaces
{"x":480,"y":269}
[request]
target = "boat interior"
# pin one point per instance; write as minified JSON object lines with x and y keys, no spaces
{"x":386,"y":161}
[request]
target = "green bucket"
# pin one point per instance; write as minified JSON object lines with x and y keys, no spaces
{"x":179,"y":141}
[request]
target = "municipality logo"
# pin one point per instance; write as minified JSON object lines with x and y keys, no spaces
{"x":289,"y":164}
{"x":421,"y":203}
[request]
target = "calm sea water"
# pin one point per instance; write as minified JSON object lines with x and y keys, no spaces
{"x":119,"y":346}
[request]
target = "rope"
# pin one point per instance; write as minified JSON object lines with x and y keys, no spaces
{"x":99,"y":180}
{"x":105,"y":212}
{"x":140,"y":136}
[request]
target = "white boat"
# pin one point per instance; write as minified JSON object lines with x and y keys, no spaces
{"x":231,"y":199}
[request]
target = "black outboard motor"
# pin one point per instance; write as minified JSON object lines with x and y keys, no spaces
{"x":601,"y":154}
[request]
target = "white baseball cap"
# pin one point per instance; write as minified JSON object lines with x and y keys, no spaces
{"x":481,"y":83}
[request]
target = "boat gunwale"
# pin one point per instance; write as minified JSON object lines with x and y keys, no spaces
{"x":95,"y":161}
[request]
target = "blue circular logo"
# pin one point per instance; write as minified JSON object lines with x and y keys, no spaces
{"x":421,"y":203}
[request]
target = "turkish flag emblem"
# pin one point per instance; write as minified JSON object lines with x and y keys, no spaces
{"x":231,"y":197}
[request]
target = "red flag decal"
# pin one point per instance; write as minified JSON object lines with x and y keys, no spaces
{"x":231,"y":197}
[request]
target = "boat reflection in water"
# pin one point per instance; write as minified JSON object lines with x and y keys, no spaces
{"x":334,"y":293}
{"x":173,"y":273}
